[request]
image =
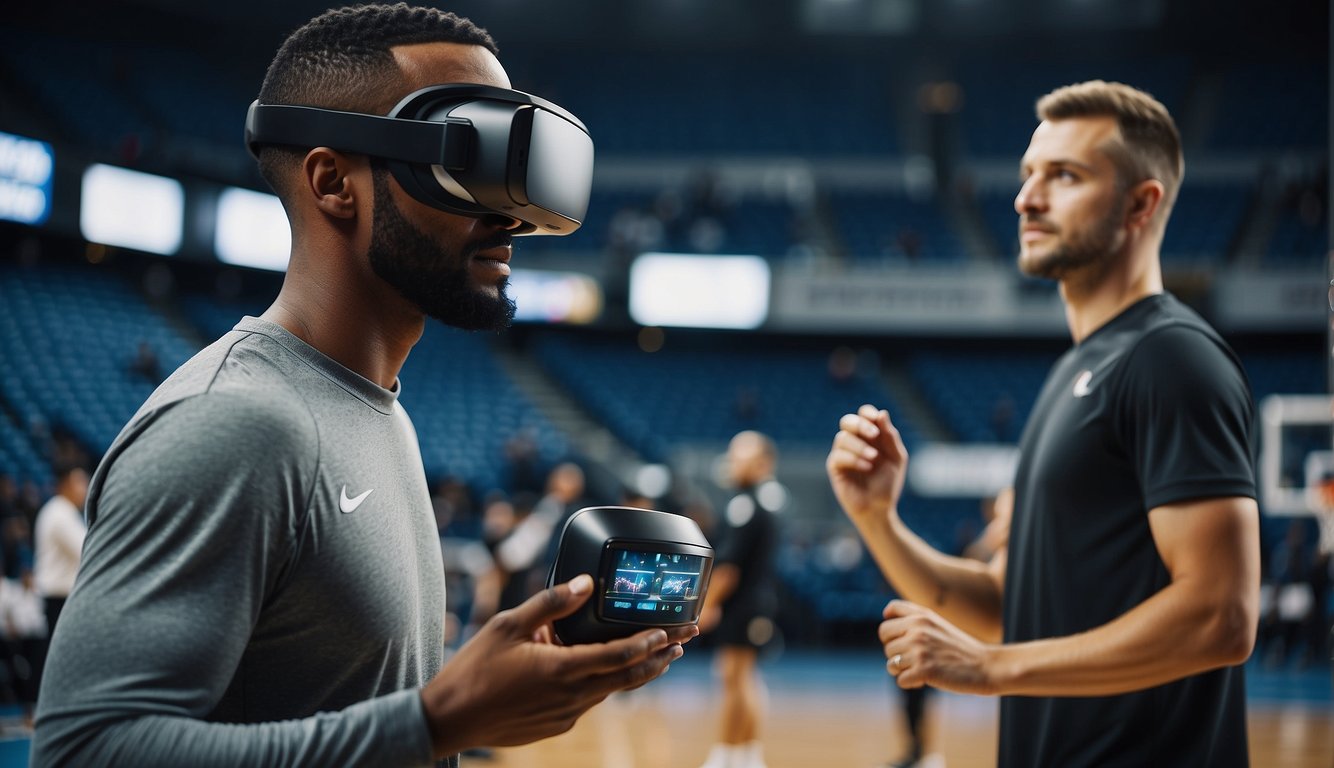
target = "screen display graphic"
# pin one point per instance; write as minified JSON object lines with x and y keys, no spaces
{"x":652,"y":587}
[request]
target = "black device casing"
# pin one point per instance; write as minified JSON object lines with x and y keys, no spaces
{"x":587,"y":540}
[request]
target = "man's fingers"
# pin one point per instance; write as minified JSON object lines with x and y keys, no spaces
{"x":910,"y":678}
{"x":853,"y":444}
{"x":610,"y":657}
{"x":873,"y":426}
{"x":897,"y":608}
{"x":547,"y":606}
{"x":869,"y":412}
{"x":682,"y":635}
{"x":644,"y":672}
{"x":905,"y":666}
{"x":899,"y":615}
{"x":842,"y":460}
{"x":857,"y":424}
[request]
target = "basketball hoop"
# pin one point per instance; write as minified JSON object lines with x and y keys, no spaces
{"x":1320,"y":495}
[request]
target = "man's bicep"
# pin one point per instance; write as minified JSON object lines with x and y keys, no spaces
{"x":194,"y":529}
{"x":1213,"y":543}
{"x":185,"y":543}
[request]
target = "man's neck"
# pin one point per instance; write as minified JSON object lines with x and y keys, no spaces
{"x":363,"y":330}
{"x":1092,"y":300}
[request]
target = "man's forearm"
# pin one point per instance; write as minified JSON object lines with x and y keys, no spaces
{"x":388,"y":731}
{"x":964,"y":591}
{"x":1171,"y":635}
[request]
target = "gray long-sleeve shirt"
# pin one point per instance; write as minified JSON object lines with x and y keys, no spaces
{"x":262,"y":581}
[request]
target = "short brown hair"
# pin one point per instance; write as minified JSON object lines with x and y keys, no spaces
{"x":1150,"y":143}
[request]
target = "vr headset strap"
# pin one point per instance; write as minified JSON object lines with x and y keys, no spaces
{"x":445,"y":143}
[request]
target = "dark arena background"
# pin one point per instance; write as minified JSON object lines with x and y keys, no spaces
{"x":799,"y":206}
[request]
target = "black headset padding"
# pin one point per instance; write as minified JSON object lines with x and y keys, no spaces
{"x":417,"y":179}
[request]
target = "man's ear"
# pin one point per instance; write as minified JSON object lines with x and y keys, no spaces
{"x":1145,"y":199}
{"x":331,"y":178}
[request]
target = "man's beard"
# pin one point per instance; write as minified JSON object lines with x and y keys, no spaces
{"x":419,"y":269}
{"x":1077,"y":251}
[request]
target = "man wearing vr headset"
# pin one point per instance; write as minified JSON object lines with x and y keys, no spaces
{"x":262,"y":581}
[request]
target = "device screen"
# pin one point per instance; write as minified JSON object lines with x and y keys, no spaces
{"x":652,"y":587}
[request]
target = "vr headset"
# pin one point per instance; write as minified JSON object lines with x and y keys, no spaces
{"x":466,"y":149}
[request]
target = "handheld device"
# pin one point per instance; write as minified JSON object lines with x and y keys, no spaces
{"x":649,"y":568}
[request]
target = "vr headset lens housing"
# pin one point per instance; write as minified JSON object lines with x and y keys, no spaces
{"x":466,"y":149}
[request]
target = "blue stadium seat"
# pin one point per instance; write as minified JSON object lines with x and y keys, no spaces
{"x":465,"y":409}
{"x":1272,"y":105}
{"x":966,"y":390}
{"x":676,"y":103}
{"x":89,"y":100}
{"x":1205,"y":223}
{"x":997,"y":117}
{"x":73,"y":334}
{"x":657,"y":401}
{"x":883,"y":227}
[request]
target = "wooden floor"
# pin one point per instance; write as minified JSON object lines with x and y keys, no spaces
{"x":837,"y":712}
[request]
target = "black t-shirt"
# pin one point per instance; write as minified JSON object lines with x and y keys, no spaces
{"x":747,"y":538}
{"x":1151,"y":409}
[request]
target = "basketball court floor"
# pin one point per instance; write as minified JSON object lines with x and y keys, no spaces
{"x":837,"y":709}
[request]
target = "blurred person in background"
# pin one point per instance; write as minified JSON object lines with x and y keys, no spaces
{"x":58,"y":537}
{"x":1298,"y":580}
{"x":741,"y":602}
{"x":262,"y":581}
{"x":1115,"y":620}
{"x":523,"y":555}
{"x":25,"y":633}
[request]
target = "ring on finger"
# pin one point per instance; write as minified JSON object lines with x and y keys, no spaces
{"x":896,"y":664}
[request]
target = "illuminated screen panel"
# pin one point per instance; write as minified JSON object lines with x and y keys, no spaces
{"x":252,"y":230}
{"x":652,"y":587}
{"x":691,"y":291}
{"x":26,"y":171}
{"x":132,"y":209}
{"x":547,"y":296}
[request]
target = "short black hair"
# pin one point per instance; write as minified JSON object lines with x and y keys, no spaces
{"x":341,"y":60}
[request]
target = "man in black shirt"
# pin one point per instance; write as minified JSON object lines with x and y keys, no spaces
{"x":741,"y":602}
{"x":1115,"y":621}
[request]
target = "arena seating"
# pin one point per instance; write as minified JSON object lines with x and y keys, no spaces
{"x":213,"y":317}
{"x":656,"y":401}
{"x":19,"y":458}
{"x":996,"y":117}
{"x":674,"y":221}
{"x":174,"y":105}
{"x":465,"y":409}
{"x":1268,"y":105}
{"x":881,"y":227}
{"x":1205,"y":222}
{"x":971,"y":390}
{"x":741,"y":102}
{"x":88,"y":102}
{"x":69,"y":336}
{"x":1297,"y":240}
